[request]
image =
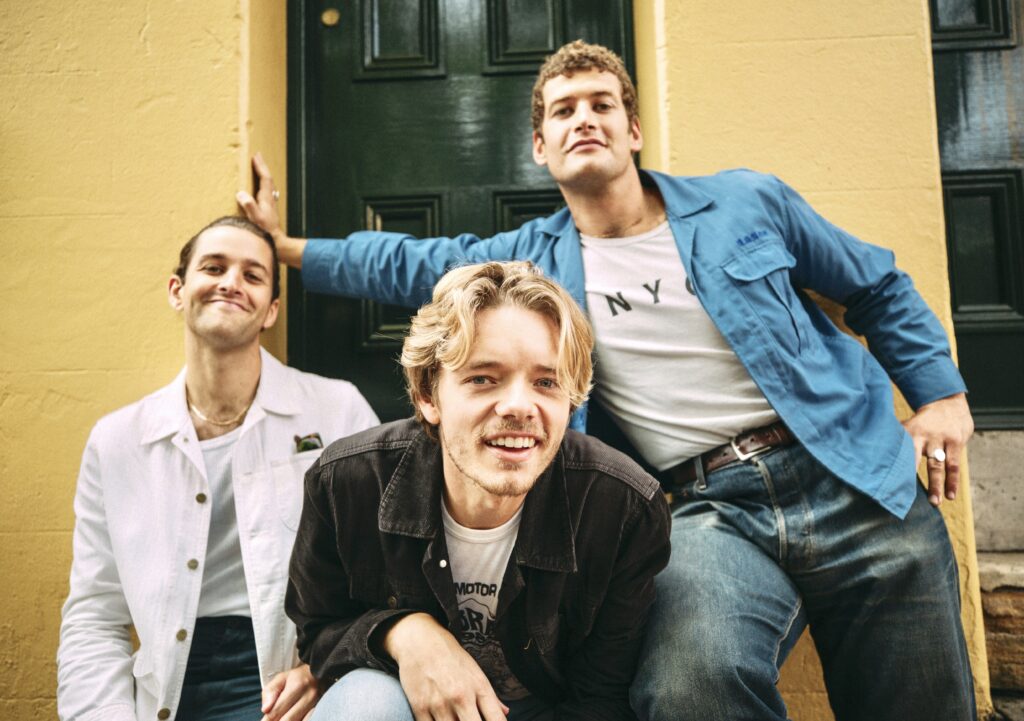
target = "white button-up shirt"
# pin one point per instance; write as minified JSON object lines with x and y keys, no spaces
{"x":142,"y":514}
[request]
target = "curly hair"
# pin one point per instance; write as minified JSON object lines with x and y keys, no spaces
{"x":578,"y":56}
{"x":442,"y":332}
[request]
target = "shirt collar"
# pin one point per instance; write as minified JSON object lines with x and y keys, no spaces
{"x":166,"y":413}
{"x":681,"y":198}
{"x":410,"y":505}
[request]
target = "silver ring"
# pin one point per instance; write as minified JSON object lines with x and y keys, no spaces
{"x":938,"y":455}
{"x":276,"y":194}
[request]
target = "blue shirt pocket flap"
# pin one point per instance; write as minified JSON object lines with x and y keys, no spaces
{"x":758,"y":261}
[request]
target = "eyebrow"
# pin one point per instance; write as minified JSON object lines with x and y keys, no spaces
{"x":497,"y":365}
{"x":247,"y":262}
{"x":596,"y":94}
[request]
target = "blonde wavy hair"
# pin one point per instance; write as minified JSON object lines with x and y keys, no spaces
{"x":443,"y":330}
{"x":579,"y":56}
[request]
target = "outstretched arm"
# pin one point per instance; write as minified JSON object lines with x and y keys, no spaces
{"x":387,"y":267}
{"x":261,"y":209}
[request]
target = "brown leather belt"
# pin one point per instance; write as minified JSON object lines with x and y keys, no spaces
{"x":740,"y":448}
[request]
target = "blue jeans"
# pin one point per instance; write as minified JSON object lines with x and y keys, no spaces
{"x":370,"y":695}
{"x":775,"y":544}
{"x":222,"y":679}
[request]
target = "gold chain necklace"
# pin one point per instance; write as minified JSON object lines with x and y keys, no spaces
{"x":199,"y":414}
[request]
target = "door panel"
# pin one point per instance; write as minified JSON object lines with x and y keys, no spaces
{"x":979,"y":91}
{"x":414,"y":116}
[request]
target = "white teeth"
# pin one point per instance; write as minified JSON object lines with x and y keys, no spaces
{"x":513,"y":442}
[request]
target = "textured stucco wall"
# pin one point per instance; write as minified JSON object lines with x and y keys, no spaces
{"x":837,"y":99}
{"x":123,"y":128}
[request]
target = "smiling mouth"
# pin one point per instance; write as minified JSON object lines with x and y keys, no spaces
{"x":586,"y":144}
{"x":226,"y":301}
{"x":515,"y":442}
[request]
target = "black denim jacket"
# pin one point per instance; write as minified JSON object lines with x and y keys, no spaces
{"x":575,"y":595}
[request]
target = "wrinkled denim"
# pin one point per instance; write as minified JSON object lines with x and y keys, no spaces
{"x":775,"y":544}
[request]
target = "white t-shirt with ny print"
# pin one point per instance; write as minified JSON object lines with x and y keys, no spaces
{"x":663,"y":371}
{"x":478,"y":559}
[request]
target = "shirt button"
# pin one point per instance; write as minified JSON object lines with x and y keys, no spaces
{"x":200,"y":498}
{"x":443,"y":563}
{"x":181,"y":635}
{"x":193,"y":564}
{"x":164,"y":713}
{"x":392,"y":602}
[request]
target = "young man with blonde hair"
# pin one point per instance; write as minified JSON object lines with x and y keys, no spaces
{"x":797,"y":500}
{"x":493,"y":561}
{"x":186,"y":509}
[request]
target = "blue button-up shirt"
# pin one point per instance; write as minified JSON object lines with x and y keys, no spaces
{"x":750,"y":245}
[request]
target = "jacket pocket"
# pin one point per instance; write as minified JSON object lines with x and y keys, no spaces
{"x":761,"y":274}
{"x":145,"y":679}
{"x":288,"y":476}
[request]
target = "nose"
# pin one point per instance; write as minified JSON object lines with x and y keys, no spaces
{"x":230,"y":279}
{"x":584,"y":116}
{"x":516,"y":401}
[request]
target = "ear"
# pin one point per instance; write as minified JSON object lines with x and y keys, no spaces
{"x":636,"y":138}
{"x":271,"y":318}
{"x":540,"y":156}
{"x":431,"y":413}
{"x":174,"y":293}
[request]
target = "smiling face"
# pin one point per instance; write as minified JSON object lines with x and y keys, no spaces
{"x":501,"y":414}
{"x":586,"y":138}
{"x":225,"y":296}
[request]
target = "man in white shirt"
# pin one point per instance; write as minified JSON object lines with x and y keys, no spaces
{"x":186,"y":509}
{"x":497,"y":564}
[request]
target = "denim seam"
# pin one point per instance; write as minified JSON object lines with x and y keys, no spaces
{"x":780,"y":518}
{"x":789,"y":628}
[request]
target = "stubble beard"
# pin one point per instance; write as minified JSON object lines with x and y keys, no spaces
{"x":506,"y":488}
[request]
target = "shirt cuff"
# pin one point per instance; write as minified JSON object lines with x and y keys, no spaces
{"x":930,"y":381}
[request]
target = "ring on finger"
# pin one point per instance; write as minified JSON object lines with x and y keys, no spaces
{"x":938,"y":455}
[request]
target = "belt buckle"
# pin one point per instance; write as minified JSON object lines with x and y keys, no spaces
{"x":740,"y":455}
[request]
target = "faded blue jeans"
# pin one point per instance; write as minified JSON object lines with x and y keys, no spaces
{"x":778,"y":543}
{"x":370,"y":695}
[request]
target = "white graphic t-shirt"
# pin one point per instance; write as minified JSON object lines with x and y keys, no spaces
{"x":478,"y":559}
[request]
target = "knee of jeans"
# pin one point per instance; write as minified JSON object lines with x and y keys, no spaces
{"x":702,"y":670}
{"x":364,"y":695}
{"x":707,"y":683}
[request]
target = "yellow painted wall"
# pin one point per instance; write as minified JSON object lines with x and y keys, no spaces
{"x":124,"y":127}
{"x":836,"y":98}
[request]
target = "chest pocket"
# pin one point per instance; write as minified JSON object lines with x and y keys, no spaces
{"x":288,"y":474}
{"x":761,"y":274}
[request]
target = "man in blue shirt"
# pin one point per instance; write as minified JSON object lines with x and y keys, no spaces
{"x":796,"y":496}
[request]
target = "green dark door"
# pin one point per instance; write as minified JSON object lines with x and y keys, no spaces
{"x":413,"y":116}
{"x":979,"y":92}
